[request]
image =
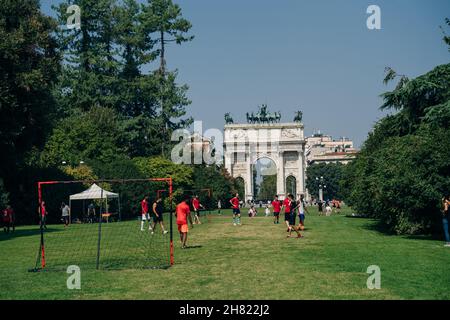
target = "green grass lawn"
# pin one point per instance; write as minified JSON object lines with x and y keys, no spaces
{"x":252,"y":261}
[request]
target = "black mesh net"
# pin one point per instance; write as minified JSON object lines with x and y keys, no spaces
{"x":101,"y":225}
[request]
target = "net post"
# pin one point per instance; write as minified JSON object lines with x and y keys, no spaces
{"x":41,"y":246}
{"x":97,"y":263}
{"x":172,"y":260}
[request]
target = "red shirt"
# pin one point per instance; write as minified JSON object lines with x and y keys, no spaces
{"x":287,"y":205}
{"x":235,"y":202}
{"x":196,"y":203}
{"x":43,"y":210}
{"x":276,"y":205}
{"x":7,"y":215}
{"x":144,"y":206}
{"x":182,"y":212}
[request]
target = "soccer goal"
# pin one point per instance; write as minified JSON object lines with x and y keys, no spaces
{"x":100,"y":224}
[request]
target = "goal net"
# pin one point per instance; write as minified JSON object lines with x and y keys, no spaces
{"x":100,"y":224}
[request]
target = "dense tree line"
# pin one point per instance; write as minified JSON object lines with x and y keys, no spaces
{"x":101,"y":95}
{"x":403,"y":169}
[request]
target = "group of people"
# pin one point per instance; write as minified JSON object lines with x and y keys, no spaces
{"x":330,"y":206}
{"x":156,"y":215}
{"x":289,"y":206}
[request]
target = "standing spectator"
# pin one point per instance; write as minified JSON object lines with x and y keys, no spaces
{"x":320,"y":207}
{"x":42,"y":215}
{"x":219,"y":206}
{"x":328,"y":209}
{"x":445,"y":218}
{"x":65,"y":213}
{"x":91,"y":212}
{"x":267,"y":210}
{"x":8,"y":219}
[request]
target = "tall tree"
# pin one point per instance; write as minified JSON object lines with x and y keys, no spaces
{"x":163,"y":19}
{"x":89,"y":77}
{"x":29,"y":65}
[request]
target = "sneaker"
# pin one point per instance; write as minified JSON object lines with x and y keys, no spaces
{"x":234,"y":224}
{"x":165,"y":232}
{"x":152,"y":232}
{"x":447,"y":245}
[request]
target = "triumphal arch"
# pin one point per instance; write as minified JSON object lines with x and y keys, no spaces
{"x":265,"y":136}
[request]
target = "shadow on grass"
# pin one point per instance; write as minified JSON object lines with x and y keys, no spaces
{"x":193,"y":247}
{"x":23,"y":233}
{"x":376,"y":225}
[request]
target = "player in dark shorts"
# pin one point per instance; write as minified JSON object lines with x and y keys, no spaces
{"x":287,"y":205}
{"x":276,"y":205}
{"x":236,"y":212}
{"x":320,"y":207}
{"x":157,"y":215}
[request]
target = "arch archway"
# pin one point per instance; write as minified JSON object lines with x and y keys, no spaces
{"x":264,"y":179}
{"x":291,"y":185}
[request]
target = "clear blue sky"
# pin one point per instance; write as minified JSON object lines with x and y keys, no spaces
{"x":317,"y":56}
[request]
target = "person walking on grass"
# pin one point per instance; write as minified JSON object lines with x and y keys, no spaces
{"x":196,"y":205}
{"x":42,"y":210}
{"x":236,"y":211}
{"x":157,"y":215}
{"x":183,"y":214}
{"x":301,"y":207}
{"x":65,"y":213}
{"x":276,"y":205}
{"x":446,"y":218}
{"x":144,"y":214}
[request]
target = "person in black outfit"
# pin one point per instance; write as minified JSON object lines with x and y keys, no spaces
{"x":157,"y":215}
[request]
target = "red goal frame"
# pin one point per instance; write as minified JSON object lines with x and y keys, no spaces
{"x":168,"y":180}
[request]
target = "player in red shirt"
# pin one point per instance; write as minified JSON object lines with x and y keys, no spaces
{"x":8,"y":219}
{"x":196,"y":205}
{"x":183,"y":213}
{"x":42,"y":214}
{"x":287,"y":205}
{"x":236,"y":212}
{"x":276,"y":205}
{"x":144,"y":214}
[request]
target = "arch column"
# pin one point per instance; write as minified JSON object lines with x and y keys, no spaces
{"x":301,"y":173}
{"x":281,"y":181}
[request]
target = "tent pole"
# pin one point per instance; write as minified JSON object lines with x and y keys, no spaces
{"x":70,"y":211}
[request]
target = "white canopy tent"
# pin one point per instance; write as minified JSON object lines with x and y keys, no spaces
{"x":94,"y":193}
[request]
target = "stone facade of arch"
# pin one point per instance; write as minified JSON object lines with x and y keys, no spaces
{"x":283,"y":143}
